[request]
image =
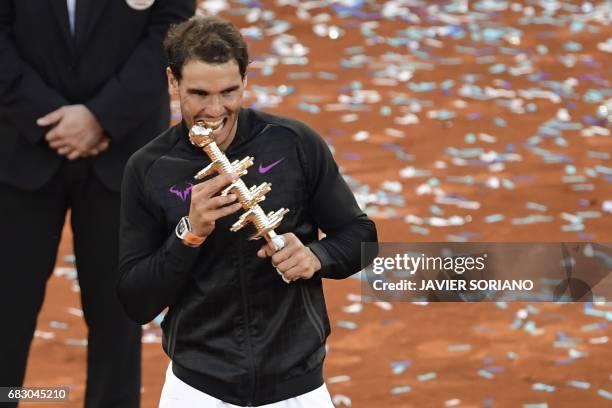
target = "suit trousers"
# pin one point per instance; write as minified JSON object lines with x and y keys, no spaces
{"x":32,"y":225}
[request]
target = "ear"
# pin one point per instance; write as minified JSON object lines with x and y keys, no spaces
{"x":244,"y":81}
{"x":173,"y":84}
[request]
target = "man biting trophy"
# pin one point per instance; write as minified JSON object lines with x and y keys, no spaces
{"x":237,"y":335}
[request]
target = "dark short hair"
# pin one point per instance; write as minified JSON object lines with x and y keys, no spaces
{"x":207,"y":39}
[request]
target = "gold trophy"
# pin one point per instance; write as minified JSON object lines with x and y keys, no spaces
{"x":249,"y":198}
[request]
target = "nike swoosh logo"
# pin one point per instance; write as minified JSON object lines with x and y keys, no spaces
{"x":265,"y":169}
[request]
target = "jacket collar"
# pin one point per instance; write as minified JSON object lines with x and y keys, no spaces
{"x":60,"y":10}
{"x":87,"y":15}
{"x":88,"y":12}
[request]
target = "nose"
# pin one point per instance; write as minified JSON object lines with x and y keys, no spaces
{"x":214,"y":107}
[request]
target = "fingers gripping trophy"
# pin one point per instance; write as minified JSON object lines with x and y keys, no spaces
{"x":249,"y":198}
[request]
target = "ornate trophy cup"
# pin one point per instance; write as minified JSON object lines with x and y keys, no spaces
{"x":249,"y":198}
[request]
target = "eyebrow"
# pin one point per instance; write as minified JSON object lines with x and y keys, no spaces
{"x":199,"y":91}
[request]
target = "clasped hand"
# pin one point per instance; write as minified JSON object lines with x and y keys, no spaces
{"x":75,"y":132}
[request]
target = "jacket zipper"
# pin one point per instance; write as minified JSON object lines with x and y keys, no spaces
{"x":312,"y":313}
{"x":245,"y":312}
{"x":173,"y":329}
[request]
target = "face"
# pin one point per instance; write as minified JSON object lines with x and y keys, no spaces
{"x":210,"y":93}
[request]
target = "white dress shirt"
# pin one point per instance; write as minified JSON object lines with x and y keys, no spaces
{"x":71,"y":14}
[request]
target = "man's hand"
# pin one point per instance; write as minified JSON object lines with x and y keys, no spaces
{"x":207,"y":207}
{"x":100,"y":147}
{"x":295,"y":261}
{"x":72,"y":154}
{"x":76,"y":132}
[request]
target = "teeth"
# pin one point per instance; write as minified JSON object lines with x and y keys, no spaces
{"x":213,"y":125}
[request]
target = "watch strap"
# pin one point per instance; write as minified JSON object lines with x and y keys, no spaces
{"x":183,"y":232}
{"x":192,"y":240}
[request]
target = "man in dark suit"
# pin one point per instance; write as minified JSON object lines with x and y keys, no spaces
{"x":82,"y":86}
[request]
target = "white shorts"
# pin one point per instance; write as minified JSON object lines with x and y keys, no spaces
{"x":177,"y":394}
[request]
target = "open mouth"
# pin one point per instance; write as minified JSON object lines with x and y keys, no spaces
{"x":216,"y":125}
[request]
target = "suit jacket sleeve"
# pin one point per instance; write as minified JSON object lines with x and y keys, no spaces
{"x":133,"y":93}
{"x":24,"y":96}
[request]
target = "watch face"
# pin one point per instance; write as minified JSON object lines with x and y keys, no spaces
{"x":182,"y":227}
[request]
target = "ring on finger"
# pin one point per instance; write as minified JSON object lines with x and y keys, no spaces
{"x":279,"y":242}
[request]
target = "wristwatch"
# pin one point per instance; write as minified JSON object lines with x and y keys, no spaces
{"x":183,"y":231}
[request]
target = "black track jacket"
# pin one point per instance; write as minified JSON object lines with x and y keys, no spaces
{"x":234,"y":329}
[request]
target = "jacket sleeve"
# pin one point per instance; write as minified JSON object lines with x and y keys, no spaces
{"x":153,"y":267}
{"x":138,"y":88}
{"x":333,"y":207}
{"x":24,"y":96}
